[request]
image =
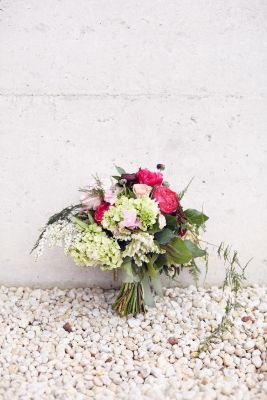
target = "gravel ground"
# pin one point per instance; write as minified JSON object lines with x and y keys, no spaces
{"x":69,"y":344}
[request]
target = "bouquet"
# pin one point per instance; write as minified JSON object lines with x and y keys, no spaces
{"x":136,"y":224}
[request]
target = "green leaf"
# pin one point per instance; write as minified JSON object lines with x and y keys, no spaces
{"x":116,"y":177}
{"x":128,"y":274}
{"x":151,"y":270}
{"x":148,"y":296}
{"x":161,"y":261}
{"x":177,"y":252}
{"x":164,"y":236}
{"x":120,"y":170}
{"x":194,"y":271}
{"x":194,"y":250}
{"x":79,"y":222}
{"x":156,"y":285}
{"x":155,"y":228}
{"x":195,"y":217}
{"x":171,"y":222}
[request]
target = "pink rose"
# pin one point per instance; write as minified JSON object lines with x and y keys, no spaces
{"x":166,"y":198}
{"x":141,"y":190}
{"x":149,"y":178}
{"x":100,"y":211}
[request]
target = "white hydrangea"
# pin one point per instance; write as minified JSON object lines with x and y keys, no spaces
{"x":62,"y":233}
{"x":142,"y":243}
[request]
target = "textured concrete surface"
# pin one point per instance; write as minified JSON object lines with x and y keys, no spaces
{"x":87,"y":84}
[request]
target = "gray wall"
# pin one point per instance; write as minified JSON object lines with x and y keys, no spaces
{"x":86,"y":84}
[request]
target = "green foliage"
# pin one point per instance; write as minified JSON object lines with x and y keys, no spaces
{"x":177,"y":252}
{"x":116,"y":177}
{"x":171,"y":222}
{"x":155,"y":228}
{"x":183,"y":192}
{"x":161,"y":261}
{"x":195,"y":217}
{"x":120,"y":170}
{"x":194,"y":271}
{"x":194,"y":249}
{"x":233,"y":281}
{"x":164,"y":236}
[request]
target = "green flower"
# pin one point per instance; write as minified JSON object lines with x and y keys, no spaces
{"x":146,"y":209}
{"x":95,"y":247}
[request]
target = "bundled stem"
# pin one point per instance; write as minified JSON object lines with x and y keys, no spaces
{"x":130,"y":299}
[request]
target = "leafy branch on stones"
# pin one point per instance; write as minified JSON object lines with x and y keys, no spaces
{"x":233,"y":282}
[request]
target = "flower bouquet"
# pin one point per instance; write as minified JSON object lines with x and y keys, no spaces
{"x":138,"y":225}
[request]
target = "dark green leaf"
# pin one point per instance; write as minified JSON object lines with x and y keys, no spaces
{"x":194,"y":250}
{"x":155,"y":228}
{"x":195,"y":217}
{"x":171,"y":222}
{"x":164,"y":236}
{"x":161,"y":261}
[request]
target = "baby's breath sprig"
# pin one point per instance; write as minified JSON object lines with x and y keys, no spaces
{"x":60,"y":216}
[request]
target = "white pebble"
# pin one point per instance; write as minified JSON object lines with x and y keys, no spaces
{"x":106,"y":356}
{"x":145,"y":370}
{"x":134,"y":322}
{"x":257,"y":361}
{"x":250,"y":344}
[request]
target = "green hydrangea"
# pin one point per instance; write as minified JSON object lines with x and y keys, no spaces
{"x":147,"y":213}
{"x":140,"y":246}
{"x":95,"y":247}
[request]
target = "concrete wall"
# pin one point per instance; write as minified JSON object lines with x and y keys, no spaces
{"x":88,"y":83}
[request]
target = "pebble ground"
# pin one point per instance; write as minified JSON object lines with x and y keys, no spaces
{"x":70,"y":345}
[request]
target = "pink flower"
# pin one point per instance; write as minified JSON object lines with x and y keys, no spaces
{"x":110,"y":196}
{"x":130,"y":219}
{"x":167,"y":199}
{"x":89,"y":201}
{"x":149,"y":178}
{"x":141,"y":190}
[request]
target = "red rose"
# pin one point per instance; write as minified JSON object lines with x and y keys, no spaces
{"x":167,"y":199}
{"x":149,"y":178}
{"x":100,"y":211}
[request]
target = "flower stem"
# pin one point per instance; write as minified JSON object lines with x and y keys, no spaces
{"x":130,"y":299}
